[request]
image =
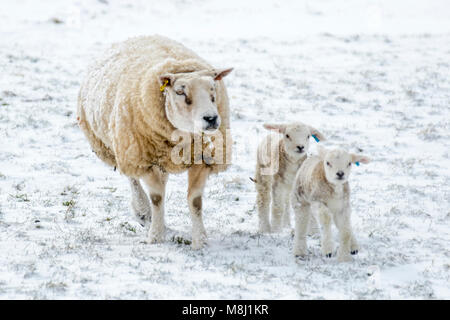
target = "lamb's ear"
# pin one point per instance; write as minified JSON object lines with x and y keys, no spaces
{"x":221,"y":73}
{"x":281,"y":128}
{"x":170,"y":78}
{"x":359,"y":158}
{"x":317,"y":134}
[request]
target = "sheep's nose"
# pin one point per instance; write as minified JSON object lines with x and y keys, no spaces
{"x":340,"y":174}
{"x":300,"y":149}
{"x":211,"y":121}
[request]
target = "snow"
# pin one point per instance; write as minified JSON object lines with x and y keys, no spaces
{"x":369,"y":74}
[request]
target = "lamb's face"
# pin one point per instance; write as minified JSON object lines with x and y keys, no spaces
{"x":296,"y":137}
{"x":296,"y":140}
{"x":338,"y":164}
{"x":191,"y":100}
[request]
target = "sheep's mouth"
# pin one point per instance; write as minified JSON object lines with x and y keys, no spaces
{"x":212,"y":128}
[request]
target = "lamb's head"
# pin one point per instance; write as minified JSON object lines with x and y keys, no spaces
{"x":296,"y":137}
{"x":337,"y":164}
{"x":191,"y":99}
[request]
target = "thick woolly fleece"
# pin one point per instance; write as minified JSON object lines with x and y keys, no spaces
{"x":121,"y":109}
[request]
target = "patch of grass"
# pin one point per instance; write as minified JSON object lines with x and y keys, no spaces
{"x":181,"y":240}
{"x":59,"y":286}
{"x":69,"y":203}
{"x":128,"y":227}
{"x":21,"y":197}
{"x":70,"y":212}
{"x":69,"y":190}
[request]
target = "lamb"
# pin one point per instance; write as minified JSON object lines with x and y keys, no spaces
{"x":279,"y":158}
{"x":133,"y":107}
{"x":321,"y":187}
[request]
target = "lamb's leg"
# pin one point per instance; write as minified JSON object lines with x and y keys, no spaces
{"x":197,"y":176}
{"x":286,"y":219}
{"x":313,"y":228}
{"x":278,"y":205}
{"x":343,"y":224}
{"x":156,"y":182}
{"x":140,"y":203}
{"x":325,"y":219}
{"x":354,"y":246}
{"x":263,"y":203}
{"x":302,"y":213}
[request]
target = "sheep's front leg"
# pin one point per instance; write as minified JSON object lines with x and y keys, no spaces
{"x":197,"y":176}
{"x":156,"y":182}
{"x":278,"y":205}
{"x":354,"y":246}
{"x":343,"y":224}
{"x":325,"y":219}
{"x":139,"y":202}
{"x":302,"y":213}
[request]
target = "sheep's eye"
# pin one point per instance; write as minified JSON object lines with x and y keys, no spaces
{"x":308,"y":137}
{"x":179,"y":92}
{"x":287,"y":136}
{"x":213,"y":99}
{"x":328,"y":164}
{"x":349,"y":164}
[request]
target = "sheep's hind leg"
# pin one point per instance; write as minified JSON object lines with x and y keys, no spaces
{"x":286,"y":222}
{"x":278,"y":206}
{"x":263,"y":204}
{"x":156,"y":182}
{"x":302,"y":213}
{"x":140,"y":203}
{"x":313,"y":228}
{"x":197,"y":176}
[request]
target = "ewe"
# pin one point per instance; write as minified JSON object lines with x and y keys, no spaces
{"x":278,"y":159}
{"x":133,"y":105}
{"x":321,"y":186}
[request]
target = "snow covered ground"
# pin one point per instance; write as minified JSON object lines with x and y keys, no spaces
{"x":372,"y":75}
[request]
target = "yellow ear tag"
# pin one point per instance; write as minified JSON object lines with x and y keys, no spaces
{"x":164,"y":85}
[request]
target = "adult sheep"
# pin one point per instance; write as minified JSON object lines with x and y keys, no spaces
{"x":132,"y":107}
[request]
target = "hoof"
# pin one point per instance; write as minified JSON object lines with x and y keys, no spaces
{"x":328,"y":255}
{"x":354,"y":252}
{"x":198,"y":244}
{"x":156,"y":236}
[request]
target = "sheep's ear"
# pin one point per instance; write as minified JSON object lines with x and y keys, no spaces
{"x":221,"y":73}
{"x":317,"y":134}
{"x":321,"y":151}
{"x":170,"y":78}
{"x":281,"y":128}
{"x":359,"y":158}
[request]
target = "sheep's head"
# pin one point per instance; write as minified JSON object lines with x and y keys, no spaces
{"x":296,"y":137}
{"x":191,"y":99}
{"x":337,"y":164}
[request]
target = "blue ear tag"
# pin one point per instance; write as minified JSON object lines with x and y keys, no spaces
{"x":315,"y":138}
{"x":357,"y":163}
